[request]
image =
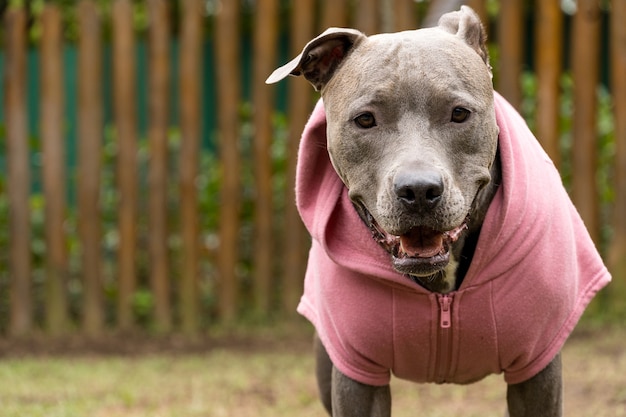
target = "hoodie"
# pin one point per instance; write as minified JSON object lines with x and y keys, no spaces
{"x":534,"y":271}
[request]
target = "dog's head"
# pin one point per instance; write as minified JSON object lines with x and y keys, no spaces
{"x":411,"y":129}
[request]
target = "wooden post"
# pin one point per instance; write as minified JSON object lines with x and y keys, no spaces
{"x":404,"y":17}
{"x":158,"y":100}
{"x":18,"y":181}
{"x":480,"y":7}
{"x":229,"y":94}
{"x":617,"y":253}
{"x":510,"y":38}
{"x":124,"y":82}
{"x":265,"y":41}
{"x":548,"y":50}
{"x":190,"y":63}
{"x":90,"y":127}
{"x":300,"y":103}
{"x":53,"y":169}
{"x":367,"y":17}
{"x":334,"y":13}
{"x":585,"y":71}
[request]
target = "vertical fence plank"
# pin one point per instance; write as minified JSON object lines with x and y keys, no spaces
{"x":159,"y":79}
{"x":617,"y":254}
{"x":265,"y":40}
{"x":300,"y":103}
{"x":334,"y":13}
{"x":548,"y":50}
{"x":18,"y":181}
{"x":90,"y":127}
{"x":126,"y":126}
{"x":367,"y":17}
{"x":228,"y":70}
{"x":510,"y":38}
{"x":480,"y":7}
{"x":53,"y":169}
{"x":190,"y":59}
{"x":404,"y":17}
{"x":585,"y":72}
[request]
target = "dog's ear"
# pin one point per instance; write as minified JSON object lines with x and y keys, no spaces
{"x":320,"y":57}
{"x":466,"y":24}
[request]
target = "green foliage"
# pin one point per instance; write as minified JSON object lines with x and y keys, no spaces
{"x":605,"y":143}
{"x":16,"y":3}
{"x":69,"y":12}
{"x":208,"y":183}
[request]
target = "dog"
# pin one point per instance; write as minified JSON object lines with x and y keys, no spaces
{"x":445,"y":247}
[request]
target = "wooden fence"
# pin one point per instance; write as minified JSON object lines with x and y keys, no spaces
{"x":176,"y":302}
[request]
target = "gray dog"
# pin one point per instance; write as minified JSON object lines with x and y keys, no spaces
{"x":444,"y":245}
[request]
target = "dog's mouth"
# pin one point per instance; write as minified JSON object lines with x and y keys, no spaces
{"x":421,"y":251}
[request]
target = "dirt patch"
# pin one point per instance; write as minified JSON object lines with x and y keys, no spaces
{"x":257,"y":339}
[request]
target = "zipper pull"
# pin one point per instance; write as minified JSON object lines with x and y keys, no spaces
{"x":444,"y":302}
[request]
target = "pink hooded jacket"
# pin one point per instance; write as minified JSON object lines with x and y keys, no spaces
{"x":534,"y":271}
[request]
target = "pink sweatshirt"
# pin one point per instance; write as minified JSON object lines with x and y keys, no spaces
{"x":534,"y":271}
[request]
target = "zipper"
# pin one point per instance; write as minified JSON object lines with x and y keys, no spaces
{"x":445,"y":337}
{"x":445,"y":302}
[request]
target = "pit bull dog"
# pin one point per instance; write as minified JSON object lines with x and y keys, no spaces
{"x":445,"y":247}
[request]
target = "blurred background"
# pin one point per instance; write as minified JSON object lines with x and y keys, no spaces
{"x":147,"y":172}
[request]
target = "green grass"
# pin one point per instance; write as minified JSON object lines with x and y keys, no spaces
{"x":218,"y":383}
{"x":254,"y":377}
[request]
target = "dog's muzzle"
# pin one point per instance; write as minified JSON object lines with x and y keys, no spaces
{"x":421,"y":251}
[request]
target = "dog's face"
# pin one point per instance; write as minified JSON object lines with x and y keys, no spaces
{"x":411,"y":130}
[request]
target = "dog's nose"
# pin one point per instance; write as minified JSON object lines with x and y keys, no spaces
{"x":419,"y":188}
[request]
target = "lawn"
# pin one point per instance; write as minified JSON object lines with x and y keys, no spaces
{"x":266,"y":374}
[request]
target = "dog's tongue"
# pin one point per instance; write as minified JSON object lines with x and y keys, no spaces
{"x":422,"y":242}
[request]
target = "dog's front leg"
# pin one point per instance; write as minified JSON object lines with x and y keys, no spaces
{"x":540,"y":396}
{"x":353,"y":399}
{"x":324,"y":373}
{"x":345,"y":397}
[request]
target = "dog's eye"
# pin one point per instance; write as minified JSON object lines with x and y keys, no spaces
{"x":459,"y":115}
{"x":365,"y":120}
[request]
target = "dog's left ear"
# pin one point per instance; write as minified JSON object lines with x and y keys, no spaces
{"x":320,"y":57}
{"x":466,"y":24}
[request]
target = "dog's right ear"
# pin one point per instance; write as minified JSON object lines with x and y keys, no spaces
{"x":320,"y":57}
